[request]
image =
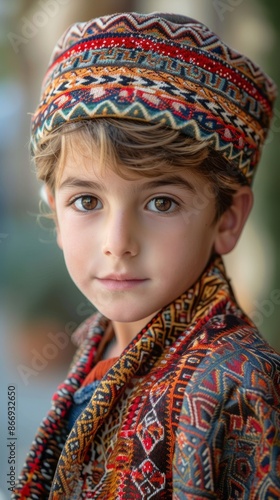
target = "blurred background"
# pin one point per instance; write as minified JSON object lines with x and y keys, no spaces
{"x":39,"y":306}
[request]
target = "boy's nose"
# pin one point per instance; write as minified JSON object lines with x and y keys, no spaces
{"x":121,"y":236}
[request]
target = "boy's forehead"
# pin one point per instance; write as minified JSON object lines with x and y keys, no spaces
{"x":82,"y":152}
{"x":83,"y":165}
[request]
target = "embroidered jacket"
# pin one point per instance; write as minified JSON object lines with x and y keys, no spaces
{"x":190,"y":410}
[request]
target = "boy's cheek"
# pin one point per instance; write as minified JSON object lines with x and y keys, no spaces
{"x":52,"y":205}
{"x":58,"y":238}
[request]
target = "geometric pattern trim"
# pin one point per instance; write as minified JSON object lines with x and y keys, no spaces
{"x":158,"y":69}
{"x":191,"y":409}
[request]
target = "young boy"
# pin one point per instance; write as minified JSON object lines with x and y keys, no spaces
{"x":147,"y":137}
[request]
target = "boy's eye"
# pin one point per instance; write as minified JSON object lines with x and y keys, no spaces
{"x":87,"y":203}
{"x":162,"y":204}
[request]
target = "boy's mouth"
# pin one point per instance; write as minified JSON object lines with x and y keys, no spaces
{"x":120,"y":282}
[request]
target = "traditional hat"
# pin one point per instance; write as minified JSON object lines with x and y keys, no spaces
{"x":159,"y":68}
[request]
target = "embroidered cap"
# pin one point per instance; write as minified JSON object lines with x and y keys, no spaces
{"x":159,"y":68}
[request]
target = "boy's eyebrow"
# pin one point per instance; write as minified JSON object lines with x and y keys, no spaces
{"x":74,"y":182}
{"x":174,"y":180}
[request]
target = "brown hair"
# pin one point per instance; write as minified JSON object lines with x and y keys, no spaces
{"x":151,"y":149}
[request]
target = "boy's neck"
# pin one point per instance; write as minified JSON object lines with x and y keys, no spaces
{"x":125,"y":333}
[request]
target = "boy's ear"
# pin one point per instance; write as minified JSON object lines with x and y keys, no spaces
{"x":51,"y":202}
{"x":232,"y":221}
{"x":49,"y":197}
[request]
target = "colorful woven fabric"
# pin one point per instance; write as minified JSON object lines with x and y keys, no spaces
{"x":159,"y":68}
{"x":191,"y":410}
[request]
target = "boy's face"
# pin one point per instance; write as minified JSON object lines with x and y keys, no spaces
{"x":132,"y":246}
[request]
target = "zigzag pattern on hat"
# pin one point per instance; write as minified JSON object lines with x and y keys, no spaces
{"x":145,"y":99}
{"x":140,"y":112}
{"x":192,"y":35}
{"x":135,"y":23}
{"x":100,"y":59}
{"x":150,"y":68}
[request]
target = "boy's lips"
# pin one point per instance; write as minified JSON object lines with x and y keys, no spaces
{"x":120,"y":281}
